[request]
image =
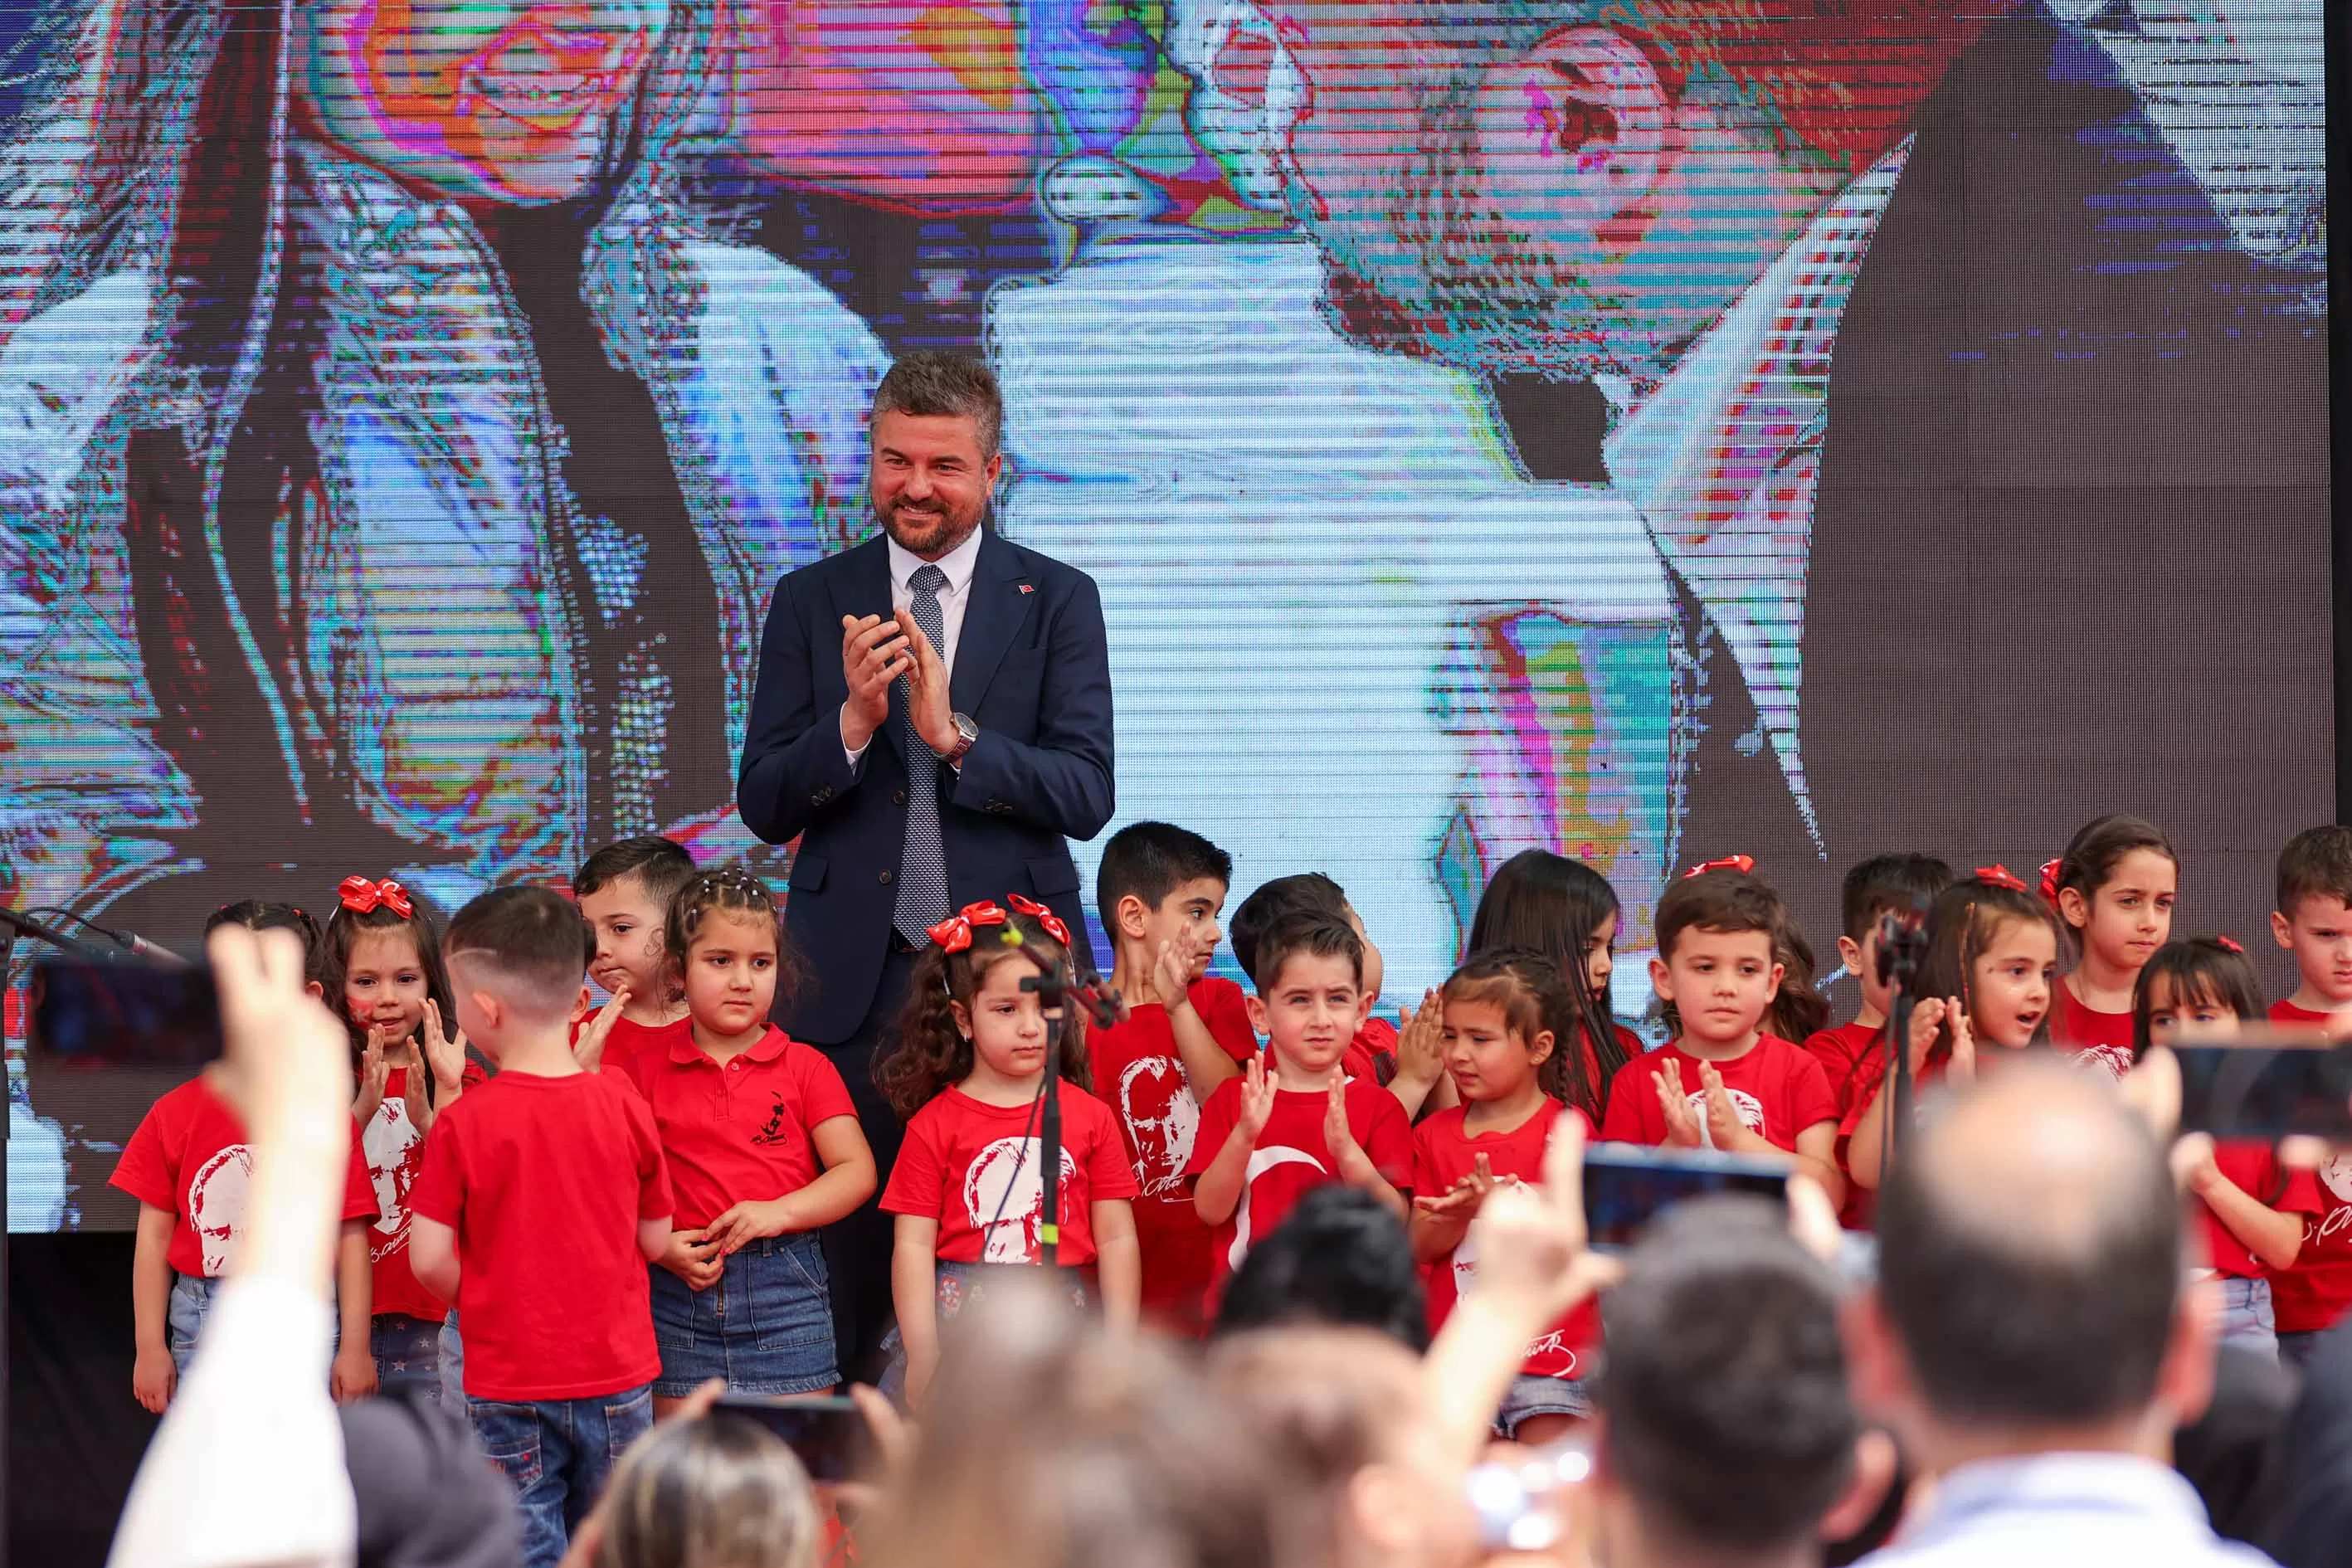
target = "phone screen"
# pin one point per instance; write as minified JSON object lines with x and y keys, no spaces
{"x":1626,"y":1185}
{"x":89,"y":1014}
{"x":2266,"y":1091}
{"x":825,"y":1432}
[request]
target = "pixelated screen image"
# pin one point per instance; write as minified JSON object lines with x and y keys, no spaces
{"x":1643,"y":429}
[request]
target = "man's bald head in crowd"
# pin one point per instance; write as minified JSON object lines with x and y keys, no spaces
{"x":2031,"y":1260}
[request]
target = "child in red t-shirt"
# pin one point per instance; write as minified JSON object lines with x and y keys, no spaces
{"x":762,"y":1147}
{"x":378,"y":964}
{"x":2256,"y":1211}
{"x":968,"y":1074}
{"x":2313,"y":920}
{"x":1723,"y":1083}
{"x":1985,"y":980}
{"x":623,"y":892}
{"x":1157,"y":891}
{"x":2113,"y":888}
{"x":1295,"y":1121}
{"x":1504,"y":1015}
{"x":541,"y":1199}
{"x":1566,"y":910}
{"x":188,"y":1165}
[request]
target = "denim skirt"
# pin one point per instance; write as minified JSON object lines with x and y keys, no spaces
{"x":765,"y":1327}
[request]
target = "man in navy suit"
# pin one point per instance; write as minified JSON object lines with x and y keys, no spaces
{"x":932,"y":721}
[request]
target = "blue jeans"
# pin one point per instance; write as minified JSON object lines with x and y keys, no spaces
{"x":407,"y":1353}
{"x":453,"y":1366}
{"x":557,"y":1454}
{"x":2247,"y":1318}
{"x":191,"y":1303}
{"x":765,"y":1327}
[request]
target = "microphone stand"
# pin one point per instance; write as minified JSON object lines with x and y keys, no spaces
{"x":1057,"y":984}
{"x":1902,"y":942}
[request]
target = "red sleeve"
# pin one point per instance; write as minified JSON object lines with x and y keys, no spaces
{"x":823,"y":1095}
{"x":358,"y":1188}
{"x":149,"y":1170}
{"x":1218,"y":1119}
{"x":918,"y":1177}
{"x":1108,"y":1173}
{"x":1812,"y":1102}
{"x":2302,"y":1195}
{"x":1633,"y":1106}
{"x":1388,"y":1140}
{"x":1225,"y":1011}
{"x":654,"y":1200}
{"x":439,"y":1193}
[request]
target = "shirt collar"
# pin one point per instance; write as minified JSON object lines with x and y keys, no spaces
{"x":957,"y":563}
{"x":1722,"y":459}
{"x":766,"y":1048}
{"x":2060,"y":1483}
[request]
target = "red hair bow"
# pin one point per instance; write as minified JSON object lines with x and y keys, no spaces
{"x":1042,"y":915}
{"x":2000,"y":875}
{"x":2050,"y":879}
{"x":2231,"y":943}
{"x":1740,"y":863}
{"x":363,"y":897}
{"x":954,"y":933}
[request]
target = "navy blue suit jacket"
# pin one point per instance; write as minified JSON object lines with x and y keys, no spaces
{"x":1032,"y":670}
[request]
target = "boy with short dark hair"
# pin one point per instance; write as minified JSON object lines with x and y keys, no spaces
{"x":1293,"y":1122}
{"x":623,"y":892}
{"x":2314,"y":922}
{"x":541,"y":1199}
{"x":1158,"y":892}
{"x":1723,"y":1083}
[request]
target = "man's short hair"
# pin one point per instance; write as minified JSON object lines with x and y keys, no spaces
{"x":1339,"y":1259}
{"x":2032,"y":1272}
{"x":1152,"y":860}
{"x":2316,"y":861}
{"x":1904,"y":883}
{"x":1312,"y":933}
{"x":661,"y":867}
{"x":931,"y":382}
{"x":532,"y":943}
{"x":1276,"y":901}
{"x":1726,"y":1413}
{"x":1716,"y":901}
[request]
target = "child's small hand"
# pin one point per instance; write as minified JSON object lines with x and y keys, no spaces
{"x":352,"y":1376}
{"x":445,"y":1054}
{"x":1925,"y":1015}
{"x":747,"y":1222}
{"x":155,"y":1378}
{"x":1347,"y":1154}
{"x":1464,"y":1197}
{"x":1171,"y":979}
{"x":1725,"y":1130}
{"x":588,"y":1050}
{"x":1962,"y":1068}
{"x":1682,"y":1127}
{"x":375,"y":1072}
{"x":1420,"y":1043}
{"x":1257,"y":1100}
{"x":693,"y":1259}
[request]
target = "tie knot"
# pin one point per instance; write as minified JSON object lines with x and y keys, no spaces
{"x":928,"y":579}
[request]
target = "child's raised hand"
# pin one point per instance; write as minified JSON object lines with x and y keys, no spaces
{"x":375,"y":1072}
{"x":1171,"y":981}
{"x":1682,"y":1127}
{"x":693,"y":1259}
{"x":1464,"y":1197}
{"x":1963,"y":1066}
{"x":1258,"y":1099}
{"x":588,"y":1050}
{"x":1925,"y":1015}
{"x":445,"y":1054}
{"x":1420,"y":1043}
{"x":155,"y":1378}
{"x":1725,"y":1130}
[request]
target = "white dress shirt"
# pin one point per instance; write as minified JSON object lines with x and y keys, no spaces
{"x":2062,"y":1510}
{"x":958,"y":564}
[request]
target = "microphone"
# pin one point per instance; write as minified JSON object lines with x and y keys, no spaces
{"x":24,"y":925}
{"x":128,"y":941}
{"x":1100,"y":1000}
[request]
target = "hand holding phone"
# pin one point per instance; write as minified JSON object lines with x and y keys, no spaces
{"x":826,"y":1433}
{"x":1626,"y":1183}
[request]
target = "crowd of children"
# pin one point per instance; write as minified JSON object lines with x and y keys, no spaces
{"x":568,"y":1214}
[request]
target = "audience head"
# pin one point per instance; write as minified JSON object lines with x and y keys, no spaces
{"x":625,"y":891}
{"x":716,"y":1492}
{"x":1310,"y":998}
{"x":1339,"y":1259}
{"x":378,"y":962}
{"x":965,"y":1004}
{"x":2113,"y":888}
{"x":1158,"y":883}
{"x":2031,"y":1292}
{"x":1047,"y":1442}
{"x":423,"y":1493}
{"x":1883,"y":884}
{"x":1567,"y":911}
{"x":1725,"y":1430}
{"x":1715,"y":972}
{"x":724,"y":939}
{"x":1275,"y":901}
{"x":1346,"y":1413}
{"x":2203,"y":983}
{"x":517,"y":956}
{"x":1993,"y":945}
{"x":2313,"y":919}
{"x":1509,"y":1016}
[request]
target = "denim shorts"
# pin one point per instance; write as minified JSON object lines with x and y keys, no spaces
{"x":191,"y":1303}
{"x":1530,"y":1396}
{"x":2247,"y":1317}
{"x":765,"y":1327}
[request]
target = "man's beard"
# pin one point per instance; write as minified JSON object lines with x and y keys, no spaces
{"x":929,"y":536}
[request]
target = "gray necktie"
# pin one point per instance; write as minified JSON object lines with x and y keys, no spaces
{"x":923,"y":864}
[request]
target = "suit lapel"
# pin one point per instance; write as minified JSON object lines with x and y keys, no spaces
{"x":991,"y":618}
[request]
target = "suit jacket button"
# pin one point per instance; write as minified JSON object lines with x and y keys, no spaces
{"x":898,"y":797}
{"x":886,"y":878}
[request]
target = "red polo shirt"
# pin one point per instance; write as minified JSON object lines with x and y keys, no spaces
{"x":739,"y":1132}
